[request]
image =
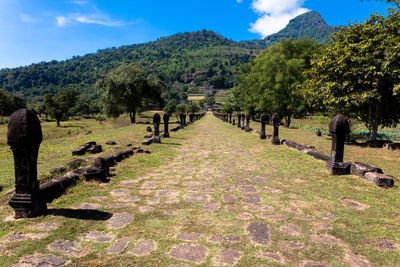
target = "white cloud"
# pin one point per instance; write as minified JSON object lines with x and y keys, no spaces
{"x":275,"y":15}
{"x":27,"y":18}
{"x":62,"y":21}
{"x":80,"y":2}
{"x":99,"y":19}
{"x":239,"y":1}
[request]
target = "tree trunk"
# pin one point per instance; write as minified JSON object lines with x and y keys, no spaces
{"x":288,"y":120}
{"x":58,"y":123}
{"x":132,"y":116}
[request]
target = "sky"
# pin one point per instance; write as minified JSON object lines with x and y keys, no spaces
{"x":43,"y":30}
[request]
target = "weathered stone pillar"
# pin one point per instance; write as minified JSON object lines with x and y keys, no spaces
{"x":338,"y":128}
{"x":233,"y":121}
{"x":230,"y":118}
{"x":242,"y":123}
{"x":166,"y":121}
{"x":156,"y":122}
{"x":239,"y":117}
{"x":248,"y":123}
{"x":181,"y":120}
{"x":276,"y":120}
{"x":24,"y":137}
{"x":263,"y":119}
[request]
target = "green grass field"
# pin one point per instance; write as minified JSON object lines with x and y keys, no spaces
{"x":211,"y":181}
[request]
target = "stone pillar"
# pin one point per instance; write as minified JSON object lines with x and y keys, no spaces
{"x":263,"y":119}
{"x":242,"y":123}
{"x":184,"y":119}
{"x":239,"y":117}
{"x":248,"y":123}
{"x":338,"y":128}
{"x":166,"y":121}
{"x":275,"y":135}
{"x":230,"y":118}
{"x":156,"y":122}
{"x":181,"y":120}
{"x":233,"y":121}
{"x":24,"y":137}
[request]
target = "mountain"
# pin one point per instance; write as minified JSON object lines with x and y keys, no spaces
{"x":308,"y":25}
{"x":199,"y":58}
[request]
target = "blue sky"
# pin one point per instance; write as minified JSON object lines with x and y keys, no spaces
{"x":42,"y":30}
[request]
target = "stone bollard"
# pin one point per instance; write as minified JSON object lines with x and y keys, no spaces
{"x":275,"y":135}
{"x":338,"y":128}
{"x":242,"y":123}
{"x":181,"y":120}
{"x":263,"y":119}
{"x":233,"y":122}
{"x":239,"y":117}
{"x":248,"y":129}
{"x":230,"y":118}
{"x":156,"y":122}
{"x":24,"y":137}
{"x":166,"y":121}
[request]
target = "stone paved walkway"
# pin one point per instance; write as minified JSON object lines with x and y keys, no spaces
{"x":221,"y":201}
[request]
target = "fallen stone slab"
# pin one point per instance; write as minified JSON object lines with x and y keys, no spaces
{"x":111,"y":143}
{"x":95,"y":149}
{"x":360,"y":169}
{"x":81,"y":150}
{"x":318,"y":155}
{"x":147,"y":142}
{"x":57,"y":186}
{"x":380,"y":179}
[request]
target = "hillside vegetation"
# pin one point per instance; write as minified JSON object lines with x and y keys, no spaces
{"x":198,"y":58}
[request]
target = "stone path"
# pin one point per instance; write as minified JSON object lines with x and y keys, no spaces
{"x":218,"y":202}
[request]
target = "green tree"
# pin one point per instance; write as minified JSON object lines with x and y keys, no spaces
{"x":5,"y":103}
{"x":125,"y":90}
{"x":192,"y":108}
{"x":170,"y":107}
{"x":181,"y":108}
{"x":60,"y":105}
{"x":272,"y":82}
{"x":394,"y":2}
{"x":359,"y":74}
{"x":227,"y":108}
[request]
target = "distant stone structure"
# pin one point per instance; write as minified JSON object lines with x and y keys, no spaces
{"x":24,"y":137}
{"x":263,"y":119}
{"x":338,"y":128}
{"x":166,"y":121}
{"x":156,"y":122}
{"x":239,"y":117}
{"x":276,"y":120}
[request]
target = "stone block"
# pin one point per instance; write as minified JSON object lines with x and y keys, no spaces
{"x":360,"y":169}
{"x":380,"y":179}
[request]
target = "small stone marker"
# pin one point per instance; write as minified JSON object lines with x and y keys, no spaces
{"x":239,"y":117}
{"x":242,"y":124}
{"x":24,"y":137}
{"x":248,"y":129}
{"x":276,"y":120}
{"x":338,"y":128}
{"x":166,"y":121}
{"x":156,"y":122}
{"x":263,"y":119}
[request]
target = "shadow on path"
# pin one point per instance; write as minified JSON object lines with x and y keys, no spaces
{"x":81,"y":214}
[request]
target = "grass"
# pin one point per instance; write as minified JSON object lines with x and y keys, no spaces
{"x":215,"y":151}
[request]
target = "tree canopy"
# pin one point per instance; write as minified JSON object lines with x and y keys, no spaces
{"x":126,"y":89}
{"x":271,"y":82}
{"x":359,"y":74}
